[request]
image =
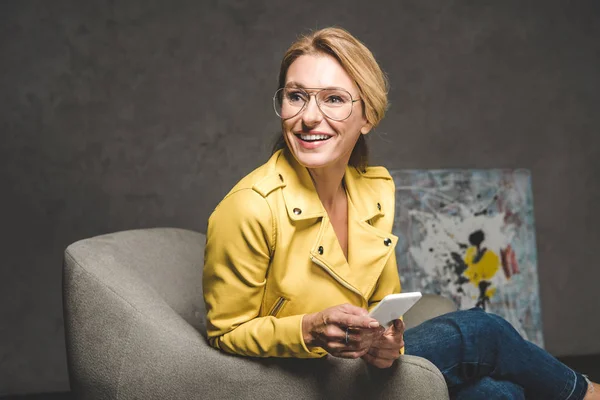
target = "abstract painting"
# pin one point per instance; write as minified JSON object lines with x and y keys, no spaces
{"x":469,"y":235}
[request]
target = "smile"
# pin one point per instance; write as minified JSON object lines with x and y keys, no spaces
{"x":313,"y":138}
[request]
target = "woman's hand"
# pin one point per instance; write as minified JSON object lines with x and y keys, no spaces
{"x":327,"y":329}
{"x":386,"y":349}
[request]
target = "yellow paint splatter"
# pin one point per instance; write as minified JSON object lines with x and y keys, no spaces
{"x":484,"y":269}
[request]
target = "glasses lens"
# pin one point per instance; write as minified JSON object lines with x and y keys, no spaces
{"x":289,"y":101}
{"x":335,"y":103}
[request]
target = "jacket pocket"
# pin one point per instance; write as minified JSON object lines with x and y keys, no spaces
{"x":278,"y":306}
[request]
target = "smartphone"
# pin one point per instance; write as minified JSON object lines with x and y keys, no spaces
{"x":393,"y":306}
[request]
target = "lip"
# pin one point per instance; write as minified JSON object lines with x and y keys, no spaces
{"x":312,"y":145}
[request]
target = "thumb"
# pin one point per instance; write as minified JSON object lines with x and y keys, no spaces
{"x":399,"y":326}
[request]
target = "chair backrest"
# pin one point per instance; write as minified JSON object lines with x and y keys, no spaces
{"x":168,"y":260}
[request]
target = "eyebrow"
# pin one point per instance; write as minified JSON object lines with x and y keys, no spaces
{"x":301,"y":86}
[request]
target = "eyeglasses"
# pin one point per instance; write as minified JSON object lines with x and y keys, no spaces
{"x":334,"y":103}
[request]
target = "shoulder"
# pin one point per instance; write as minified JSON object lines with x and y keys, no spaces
{"x":243,"y":213}
{"x":246,"y":203}
{"x":378,"y":178}
{"x":263,"y":180}
{"x":377,"y":172}
{"x":376,"y":186}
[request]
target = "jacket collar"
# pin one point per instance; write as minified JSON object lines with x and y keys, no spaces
{"x":301,"y":198}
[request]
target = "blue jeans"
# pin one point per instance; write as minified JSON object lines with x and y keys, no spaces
{"x":483,"y":357}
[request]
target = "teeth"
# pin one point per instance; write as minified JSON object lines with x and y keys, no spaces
{"x":314,"y":137}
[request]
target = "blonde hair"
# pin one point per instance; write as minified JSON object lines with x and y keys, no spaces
{"x":358,"y":61}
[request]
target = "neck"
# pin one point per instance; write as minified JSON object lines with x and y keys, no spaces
{"x":328,"y":183}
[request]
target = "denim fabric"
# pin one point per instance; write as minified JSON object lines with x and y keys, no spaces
{"x":490,"y":388}
{"x":482,"y":356}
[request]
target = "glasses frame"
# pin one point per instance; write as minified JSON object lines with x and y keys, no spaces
{"x":315,"y":92}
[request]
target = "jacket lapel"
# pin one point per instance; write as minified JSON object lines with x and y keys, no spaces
{"x":369,"y":247}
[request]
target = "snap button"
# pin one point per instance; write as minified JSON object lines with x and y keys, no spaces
{"x":297,"y":211}
{"x":280,"y":178}
{"x":320,"y":250}
{"x":379,"y":206}
{"x":387,"y":241}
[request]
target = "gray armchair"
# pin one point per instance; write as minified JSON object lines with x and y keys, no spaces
{"x":134,"y":322}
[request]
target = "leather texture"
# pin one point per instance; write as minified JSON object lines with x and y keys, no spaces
{"x":134,"y":329}
{"x":272,"y":256}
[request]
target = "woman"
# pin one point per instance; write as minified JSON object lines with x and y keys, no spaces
{"x":301,"y":248}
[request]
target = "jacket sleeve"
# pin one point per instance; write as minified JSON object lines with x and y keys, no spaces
{"x":240,"y":240}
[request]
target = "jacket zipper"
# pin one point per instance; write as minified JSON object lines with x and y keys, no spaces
{"x":277,"y":307}
{"x":346,"y":285}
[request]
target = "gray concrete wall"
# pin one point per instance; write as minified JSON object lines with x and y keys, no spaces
{"x":129,"y":114}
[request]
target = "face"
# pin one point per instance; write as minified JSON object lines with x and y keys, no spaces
{"x":338,"y":138}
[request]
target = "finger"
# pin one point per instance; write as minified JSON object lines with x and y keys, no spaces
{"x":333,"y":332}
{"x":357,"y":340}
{"x":381,"y":348}
{"x":348,"y":314}
{"x":356,"y":321}
{"x":388,"y":355}
{"x":342,"y":337}
{"x":350,"y":353}
{"x":385,"y":345}
{"x":369,"y":331}
{"x":399,"y":326}
{"x":389,"y":343}
{"x":347,"y":352}
{"x":352,"y":309}
{"x":361,"y":334}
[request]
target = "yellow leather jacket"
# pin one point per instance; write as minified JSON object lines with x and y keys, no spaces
{"x":272,"y":256}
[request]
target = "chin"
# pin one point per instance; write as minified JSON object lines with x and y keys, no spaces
{"x":325,"y":156}
{"x":315,"y":160}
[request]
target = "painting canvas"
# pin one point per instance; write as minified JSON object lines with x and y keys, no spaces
{"x":469,"y":235}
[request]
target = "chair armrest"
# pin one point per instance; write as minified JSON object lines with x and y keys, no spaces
{"x":124,"y":348}
{"x":164,"y":364}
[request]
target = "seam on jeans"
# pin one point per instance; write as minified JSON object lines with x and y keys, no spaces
{"x":574,"y":385}
{"x":463,"y":348}
{"x":449,"y":368}
{"x":468,"y":362}
{"x":456,"y":365}
{"x":563,"y":393}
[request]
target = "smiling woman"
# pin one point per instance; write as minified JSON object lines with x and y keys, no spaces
{"x":301,"y":249}
{"x":343,"y":63}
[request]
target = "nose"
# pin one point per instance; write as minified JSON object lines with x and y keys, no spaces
{"x":312,"y":115}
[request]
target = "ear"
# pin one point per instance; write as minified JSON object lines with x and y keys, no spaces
{"x":366,"y":128}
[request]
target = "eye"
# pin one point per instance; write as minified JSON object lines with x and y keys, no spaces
{"x":295,"y":96}
{"x":334,"y":99}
